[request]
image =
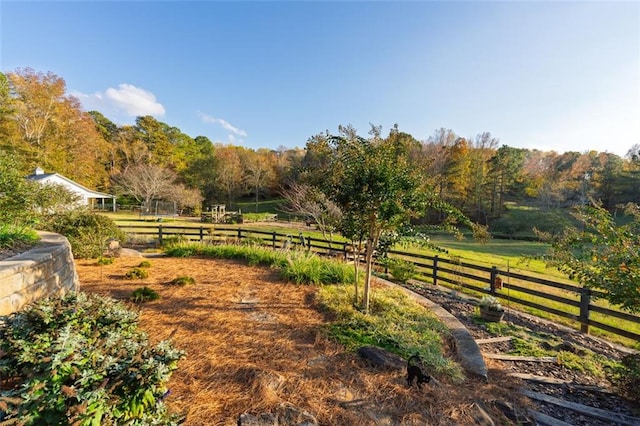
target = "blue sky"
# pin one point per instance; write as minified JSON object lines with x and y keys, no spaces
{"x":561,"y":76}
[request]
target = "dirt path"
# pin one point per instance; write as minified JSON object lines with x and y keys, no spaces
{"x":254,"y":341}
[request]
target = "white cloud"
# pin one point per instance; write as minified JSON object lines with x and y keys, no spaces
{"x":127,"y":99}
{"x":225,"y":125}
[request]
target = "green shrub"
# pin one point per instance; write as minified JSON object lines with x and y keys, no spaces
{"x":144,"y":264}
{"x":400,"y":269}
{"x":144,"y":294}
{"x":183,"y":280}
{"x":174,"y":240}
{"x":87,"y":232}
{"x":81,"y":359}
{"x":137,"y":274}
{"x":103,"y":260}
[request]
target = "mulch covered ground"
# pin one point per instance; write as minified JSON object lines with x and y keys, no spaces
{"x":254,"y":341}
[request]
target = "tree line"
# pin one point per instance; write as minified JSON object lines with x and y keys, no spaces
{"x":41,"y":125}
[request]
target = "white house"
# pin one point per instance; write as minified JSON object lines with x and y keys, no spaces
{"x":93,"y":199}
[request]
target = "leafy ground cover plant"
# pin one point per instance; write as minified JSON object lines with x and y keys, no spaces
{"x":144,"y":294}
{"x":82,"y":360}
{"x":400,"y":269}
{"x":137,"y":273}
{"x":144,"y":264}
{"x":183,"y":280}
{"x":105,"y":260}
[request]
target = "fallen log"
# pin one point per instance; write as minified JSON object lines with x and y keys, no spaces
{"x":504,"y":357}
{"x":555,"y":381}
{"x":584,"y":409}
{"x":544,"y":419}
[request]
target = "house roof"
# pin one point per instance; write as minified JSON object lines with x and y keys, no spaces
{"x":39,"y":175}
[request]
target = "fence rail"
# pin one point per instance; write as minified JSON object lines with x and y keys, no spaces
{"x":570,"y":301}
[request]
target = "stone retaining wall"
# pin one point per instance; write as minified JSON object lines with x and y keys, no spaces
{"x":45,"y":270}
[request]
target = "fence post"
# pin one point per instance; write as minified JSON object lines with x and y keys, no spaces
{"x":308,"y":243}
{"x":435,"y":270}
{"x":492,"y":280}
{"x":239,"y":235}
{"x":201,"y":234}
{"x":160,"y":234}
{"x":344,"y":250}
{"x":585,"y":300}
{"x":273,"y":240}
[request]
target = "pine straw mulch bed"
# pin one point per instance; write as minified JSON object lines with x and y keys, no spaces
{"x":254,"y":341}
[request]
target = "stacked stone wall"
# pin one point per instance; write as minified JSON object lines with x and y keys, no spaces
{"x":46,"y":270}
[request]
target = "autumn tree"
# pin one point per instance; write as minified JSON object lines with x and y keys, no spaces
{"x":484,"y":146}
{"x":229,"y":172}
{"x":258,"y":172}
{"x":49,"y":129}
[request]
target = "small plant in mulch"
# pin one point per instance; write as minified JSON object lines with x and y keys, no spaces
{"x":144,"y":294}
{"x":400,"y":269}
{"x":137,"y":274}
{"x":183,"y":280}
{"x":144,"y":264}
{"x":105,"y":260}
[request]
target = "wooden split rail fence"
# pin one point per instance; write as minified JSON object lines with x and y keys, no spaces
{"x":565,"y":300}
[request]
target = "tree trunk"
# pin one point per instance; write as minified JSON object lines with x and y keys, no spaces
{"x":356,"y":265}
{"x":367,"y":276}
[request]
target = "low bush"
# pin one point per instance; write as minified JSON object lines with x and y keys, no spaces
{"x":103,"y":260}
{"x":144,"y":264}
{"x":400,"y":269}
{"x":137,"y":274}
{"x":87,"y":232}
{"x":82,"y":360}
{"x":183,"y":280}
{"x":144,"y":294}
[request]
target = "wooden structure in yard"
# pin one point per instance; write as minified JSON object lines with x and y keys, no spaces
{"x":216,"y":214}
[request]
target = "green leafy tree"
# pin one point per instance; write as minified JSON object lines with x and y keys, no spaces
{"x":16,"y":193}
{"x":601,"y":254}
{"x":377,"y":189}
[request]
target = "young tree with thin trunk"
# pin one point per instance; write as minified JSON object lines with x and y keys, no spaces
{"x":377,"y":189}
